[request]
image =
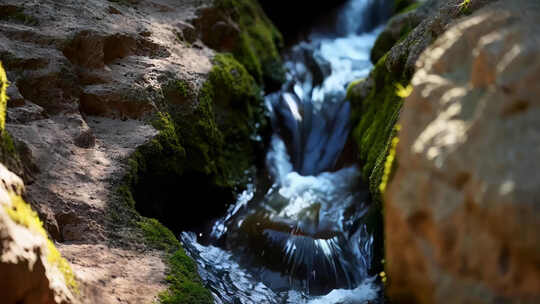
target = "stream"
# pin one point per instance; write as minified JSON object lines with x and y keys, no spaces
{"x":300,"y":235}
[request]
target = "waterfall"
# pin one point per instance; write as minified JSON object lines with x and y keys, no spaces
{"x":303,"y":239}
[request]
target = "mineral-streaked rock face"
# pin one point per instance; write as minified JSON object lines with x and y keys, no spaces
{"x":462,"y":214}
{"x":25,"y":273}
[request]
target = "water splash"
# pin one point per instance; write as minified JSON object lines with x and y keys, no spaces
{"x":304,"y":239}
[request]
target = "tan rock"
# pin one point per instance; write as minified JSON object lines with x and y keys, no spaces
{"x":26,"y":275}
{"x":462,"y":214}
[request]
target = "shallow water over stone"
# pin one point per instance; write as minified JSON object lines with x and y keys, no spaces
{"x":302,"y":237}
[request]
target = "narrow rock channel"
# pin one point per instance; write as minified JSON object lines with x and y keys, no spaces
{"x":302,"y":235}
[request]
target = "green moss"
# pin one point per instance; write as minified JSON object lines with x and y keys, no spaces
{"x":389,"y":162}
{"x":352,"y":90}
{"x":184,"y":284}
{"x":374,"y":119}
{"x":183,"y":88}
{"x":20,"y":212}
{"x":159,"y":236}
{"x":191,"y":168}
{"x":259,"y":41}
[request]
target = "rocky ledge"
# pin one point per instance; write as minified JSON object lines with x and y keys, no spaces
{"x":118,"y":108}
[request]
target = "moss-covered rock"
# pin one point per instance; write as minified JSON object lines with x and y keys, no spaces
{"x":204,"y":147}
{"x":398,"y":27}
{"x":22,"y":214}
{"x":42,"y":258}
{"x":376,"y":105}
{"x":189,"y":172}
{"x":374,"y":118}
{"x":242,"y":28}
{"x":8,"y":151}
{"x":184,"y":282}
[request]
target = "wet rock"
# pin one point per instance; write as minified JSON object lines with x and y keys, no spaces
{"x":462,"y":212}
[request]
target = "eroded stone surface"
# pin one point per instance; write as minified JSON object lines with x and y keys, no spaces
{"x":67,"y":61}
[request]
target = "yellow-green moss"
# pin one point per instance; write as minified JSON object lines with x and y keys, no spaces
{"x":374,"y":119}
{"x":8,"y":152}
{"x":21,"y":213}
{"x":3,"y":97}
{"x":259,"y":41}
{"x":390,"y":162}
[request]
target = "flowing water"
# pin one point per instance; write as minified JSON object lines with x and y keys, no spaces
{"x":301,"y":236}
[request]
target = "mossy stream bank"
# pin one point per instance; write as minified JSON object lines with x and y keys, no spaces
{"x":210,"y":138}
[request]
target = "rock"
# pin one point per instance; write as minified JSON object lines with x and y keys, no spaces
{"x":83,"y":70}
{"x":462,"y":211}
{"x":26,"y":272}
{"x":436,"y":15}
{"x":189,"y":32}
{"x":116,"y":101}
{"x":86,"y":49}
{"x":374,"y":103}
{"x":15,"y":97}
{"x":242,"y":28}
{"x":398,"y":27}
{"x":25,"y":113}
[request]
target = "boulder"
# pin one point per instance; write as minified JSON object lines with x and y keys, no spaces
{"x":28,"y":273}
{"x":462,"y":212}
